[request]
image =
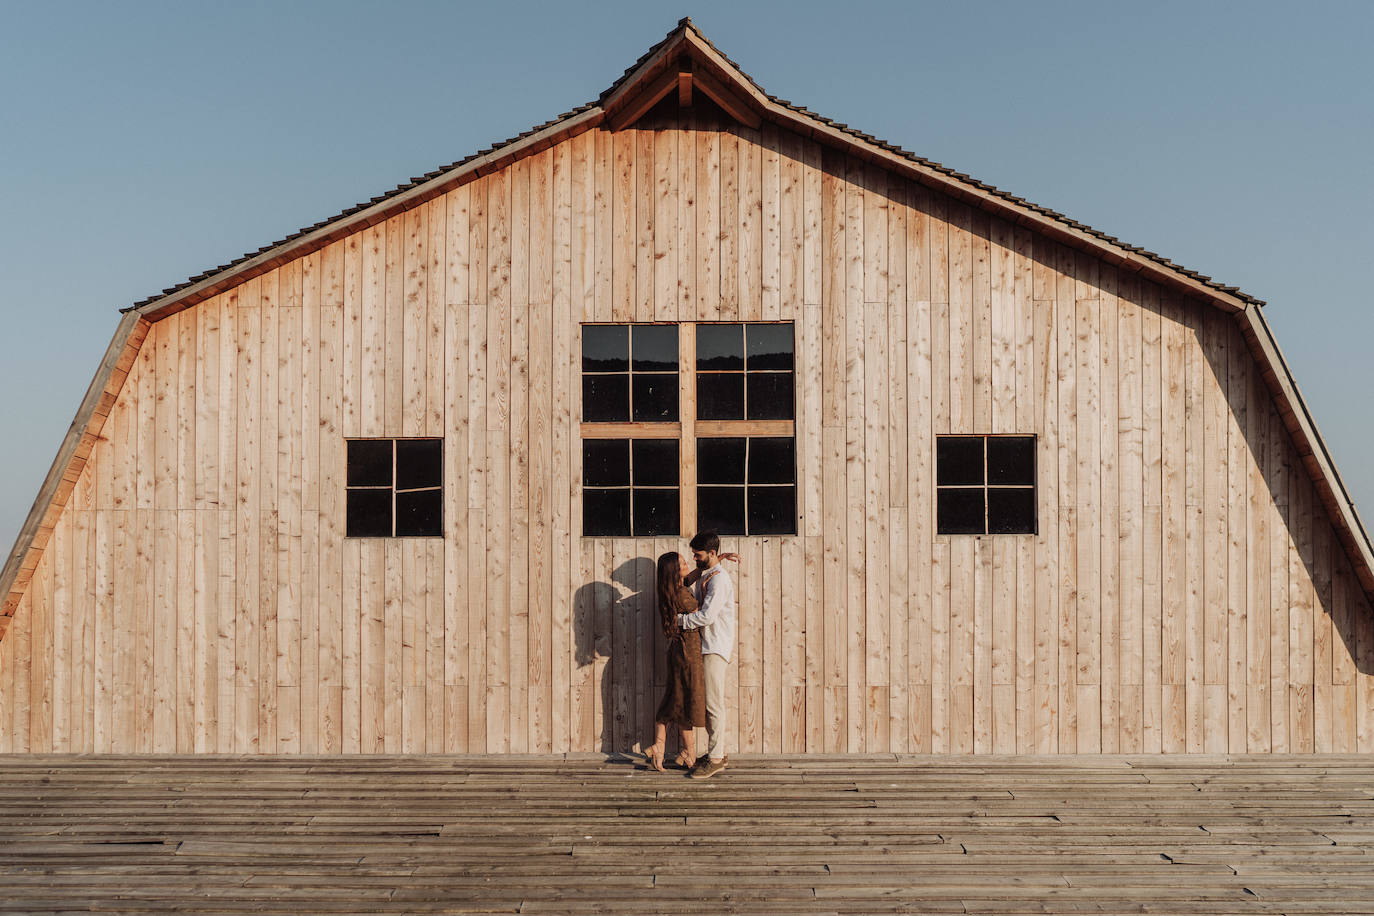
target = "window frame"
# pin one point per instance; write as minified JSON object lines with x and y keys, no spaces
{"x":393,"y":488}
{"x":985,"y":486}
{"x":687,"y":429}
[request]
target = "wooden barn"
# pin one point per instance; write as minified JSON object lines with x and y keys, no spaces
{"x":395,"y":484}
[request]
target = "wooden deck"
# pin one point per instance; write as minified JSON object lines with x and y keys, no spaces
{"x":588,"y":835}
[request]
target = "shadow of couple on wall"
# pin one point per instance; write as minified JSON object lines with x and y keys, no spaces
{"x":616,"y":634}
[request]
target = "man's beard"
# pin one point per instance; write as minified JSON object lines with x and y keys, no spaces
{"x":702,"y":564}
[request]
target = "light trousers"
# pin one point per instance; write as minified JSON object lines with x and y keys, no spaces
{"x":717,"y":714}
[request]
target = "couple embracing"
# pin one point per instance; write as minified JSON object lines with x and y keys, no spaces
{"x":697,"y":609}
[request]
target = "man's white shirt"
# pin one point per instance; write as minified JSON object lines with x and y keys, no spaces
{"x":715,"y":616}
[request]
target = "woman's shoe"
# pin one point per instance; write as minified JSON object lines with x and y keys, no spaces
{"x":654,"y":755}
{"x":684,"y":760}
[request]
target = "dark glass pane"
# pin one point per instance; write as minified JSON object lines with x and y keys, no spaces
{"x":772,"y":460}
{"x":605,"y":348}
{"x":1011,"y":511}
{"x":720,"y":461}
{"x":769,"y":346}
{"x":605,"y":513}
{"x":772,"y":510}
{"x":606,"y":462}
{"x":655,"y":462}
{"x":720,"y":397}
{"x":606,"y":398}
{"x":959,"y":511}
{"x":958,"y":460}
{"x":656,"y":512}
{"x":770,"y":396}
{"x":369,"y":514}
{"x":369,"y":462}
{"x":655,"y":398}
{"x":419,"y":463}
{"x":420,"y":514}
{"x":720,"y":346}
{"x":1011,"y":459}
{"x":720,"y":509}
{"x":653,"y":347}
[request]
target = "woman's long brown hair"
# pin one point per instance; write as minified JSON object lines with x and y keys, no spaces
{"x":670,"y":594}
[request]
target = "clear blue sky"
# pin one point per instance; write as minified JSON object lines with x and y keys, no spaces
{"x":141,"y":143}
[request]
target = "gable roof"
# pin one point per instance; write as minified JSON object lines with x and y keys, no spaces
{"x":685,"y":55}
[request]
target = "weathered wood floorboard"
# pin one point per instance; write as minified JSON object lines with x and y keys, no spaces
{"x":586,"y":834}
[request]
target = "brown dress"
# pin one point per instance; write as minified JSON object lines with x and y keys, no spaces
{"x":684,"y":699}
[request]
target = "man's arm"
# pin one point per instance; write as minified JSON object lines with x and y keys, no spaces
{"x":711,"y":603}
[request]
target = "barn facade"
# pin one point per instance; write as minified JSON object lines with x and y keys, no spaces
{"x":1002,"y":483}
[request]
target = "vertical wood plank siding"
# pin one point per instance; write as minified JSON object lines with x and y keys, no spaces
{"x":1184,"y":593}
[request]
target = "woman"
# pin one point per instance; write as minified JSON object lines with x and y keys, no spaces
{"x":684,"y":700}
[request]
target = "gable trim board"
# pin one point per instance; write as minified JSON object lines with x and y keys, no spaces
{"x":723,"y":81}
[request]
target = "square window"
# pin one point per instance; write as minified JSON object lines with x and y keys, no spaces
{"x":606,"y":462}
{"x":606,"y":398}
{"x":769,"y":346}
{"x":721,"y":509}
{"x":772,"y":510}
{"x":1011,"y":460}
{"x":368,"y":513}
{"x":772,"y":460}
{"x":369,"y":462}
{"x":653,"y":348}
{"x":419,"y":463}
{"x":1011,"y":510}
{"x":655,"y":463}
{"x":605,"y":513}
{"x":655,"y":512}
{"x":655,"y":398}
{"x":605,"y":348}
{"x":720,"y":396}
{"x":960,"y":511}
{"x":720,"y":347}
{"x":959,"y":460}
{"x":394,"y":488}
{"x":721,"y":460}
{"x":420,"y":513}
{"x":770,"y":396}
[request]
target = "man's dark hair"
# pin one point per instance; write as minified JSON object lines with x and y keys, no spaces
{"x":706,"y":540}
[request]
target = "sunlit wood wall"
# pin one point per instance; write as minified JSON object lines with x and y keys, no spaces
{"x":1185,"y":592}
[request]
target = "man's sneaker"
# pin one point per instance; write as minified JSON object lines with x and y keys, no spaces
{"x":709,"y":768}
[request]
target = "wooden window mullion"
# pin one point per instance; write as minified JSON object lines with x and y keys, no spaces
{"x":687,"y":435}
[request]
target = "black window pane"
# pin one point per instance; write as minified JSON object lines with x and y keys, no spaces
{"x":655,"y":512}
{"x":655,"y":462}
{"x":420,"y":514}
{"x":772,"y":460}
{"x":720,"y":346}
{"x":1011,"y":511}
{"x":655,"y":398}
{"x":369,"y":462}
{"x":720,"y":397}
{"x":959,"y":511}
{"x":772,"y":510}
{"x":605,"y":513}
{"x":369,"y":513}
{"x":769,"y":346}
{"x":958,"y":460}
{"x":770,"y":396}
{"x":606,"y":398}
{"x":653,"y":347}
{"x":720,"y":509}
{"x":720,"y":460}
{"x":605,"y":348}
{"x":419,"y":463}
{"x":1011,"y":460}
{"x":606,"y":462}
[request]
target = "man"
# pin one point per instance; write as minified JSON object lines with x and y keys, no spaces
{"x":715,"y":616}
